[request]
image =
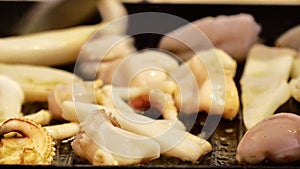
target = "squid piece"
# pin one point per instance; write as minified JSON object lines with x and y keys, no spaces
{"x":83,"y":90}
{"x":11,"y":98}
{"x":294,"y":82}
{"x":61,"y":46}
{"x":234,"y":34}
{"x":164,"y":102}
{"x":103,"y":142}
{"x":59,"y":94}
{"x":140,"y":69}
{"x":101,"y":52}
{"x":63,"y":131}
{"x":171,"y":136}
{"x":37,"y":81}
{"x":264,"y":85}
{"x":49,"y":48}
{"x":275,"y":139}
{"x":174,"y":142}
{"x":289,"y":38}
{"x":205,"y":83}
{"x":141,"y":98}
{"x":25,"y":142}
{"x":42,"y":117}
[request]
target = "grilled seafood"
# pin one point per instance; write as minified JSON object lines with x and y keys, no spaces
{"x":103,"y":142}
{"x":63,"y":131}
{"x":11,"y":98}
{"x":212,"y":72}
{"x":37,"y":81}
{"x":275,"y":139}
{"x":42,"y":117}
{"x":82,"y":90}
{"x":264,"y":83}
{"x":294,"y":82}
{"x":289,"y":38}
{"x":234,"y":34}
{"x":25,"y":142}
{"x":94,"y":62}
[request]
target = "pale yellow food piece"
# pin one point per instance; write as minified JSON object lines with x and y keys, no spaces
{"x":55,"y":47}
{"x":37,"y":81}
{"x":264,"y":83}
{"x":214,"y":71}
{"x":11,"y":98}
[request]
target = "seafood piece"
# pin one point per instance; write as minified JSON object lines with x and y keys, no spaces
{"x":11,"y":98}
{"x":264,"y":85}
{"x":164,"y":102}
{"x":234,"y":34}
{"x":49,"y":48}
{"x":42,"y":117}
{"x":142,"y":98}
{"x":294,"y":82}
{"x":170,"y":135}
{"x":275,"y":139}
{"x":296,"y":67}
{"x":63,"y":131}
{"x":83,"y":90}
{"x":60,"y":46}
{"x":102,"y":142}
{"x":25,"y":142}
{"x":59,"y":94}
{"x":100,"y":53}
{"x":174,"y":142}
{"x":143,"y":68}
{"x":37,"y":81}
{"x":289,"y":38}
{"x":294,"y":85}
{"x":206,"y":81}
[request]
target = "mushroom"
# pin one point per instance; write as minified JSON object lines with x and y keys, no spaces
{"x":23,"y":141}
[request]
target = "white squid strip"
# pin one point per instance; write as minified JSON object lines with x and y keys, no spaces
{"x":174,"y":141}
{"x":63,"y":131}
{"x":11,"y":98}
{"x":42,"y":117}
